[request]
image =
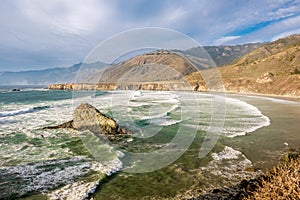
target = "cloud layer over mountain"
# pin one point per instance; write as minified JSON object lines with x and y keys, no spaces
{"x":40,"y":34}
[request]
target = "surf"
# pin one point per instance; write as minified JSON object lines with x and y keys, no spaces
{"x":23,"y":111}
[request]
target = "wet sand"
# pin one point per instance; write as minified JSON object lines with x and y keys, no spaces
{"x":265,"y":146}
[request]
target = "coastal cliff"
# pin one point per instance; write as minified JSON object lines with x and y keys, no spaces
{"x":81,"y":86}
{"x":132,"y":86}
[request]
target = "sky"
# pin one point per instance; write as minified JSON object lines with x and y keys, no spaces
{"x":39,"y":34}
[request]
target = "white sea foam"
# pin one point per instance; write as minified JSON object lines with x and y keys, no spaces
{"x":163,"y":112}
{"x":167,"y":122}
{"x":74,"y":191}
{"x":172,"y":100}
{"x":22,"y":111}
{"x":242,"y":118}
{"x":42,"y":176}
{"x":107,"y":167}
{"x":38,"y":177}
{"x":137,"y":94}
{"x":226,"y":154}
{"x":160,"y":108}
{"x":229,"y":164}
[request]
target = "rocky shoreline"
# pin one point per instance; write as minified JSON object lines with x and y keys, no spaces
{"x":195,"y":86}
{"x":160,"y":86}
{"x":264,"y":183}
{"x":245,"y":189}
{"x":240,"y":191}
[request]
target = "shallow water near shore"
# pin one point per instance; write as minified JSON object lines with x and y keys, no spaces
{"x":59,"y":161}
{"x":265,"y":146}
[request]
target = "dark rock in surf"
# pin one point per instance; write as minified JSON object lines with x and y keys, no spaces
{"x":87,"y":117}
{"x":16,"y":90}
{"x":239,"y":191}
{"x":68,"y":124}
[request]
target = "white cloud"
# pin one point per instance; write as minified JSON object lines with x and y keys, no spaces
{"x":174,"y":16}
{"x":285,"y":34}
{"x":275,"y":31}
{"x":60,"y":32}
{"x":75,"y":17}
{"x":225,"y":40}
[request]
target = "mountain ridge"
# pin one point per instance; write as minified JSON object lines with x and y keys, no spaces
{"x":43,"y":77}
{"x":68,"y":74}
{"x":273,"y":69}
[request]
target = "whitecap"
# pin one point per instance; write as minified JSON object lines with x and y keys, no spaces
{"x":226,"y":154}
{"x":230,"y":165}
{"x":242,"y":118}
{"x":22,"y":111}
{"x":137,"y":93}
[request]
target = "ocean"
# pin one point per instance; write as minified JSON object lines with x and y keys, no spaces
{"x":181,"y":140}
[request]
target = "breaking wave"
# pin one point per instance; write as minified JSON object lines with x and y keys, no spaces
{"x":23,"y":111}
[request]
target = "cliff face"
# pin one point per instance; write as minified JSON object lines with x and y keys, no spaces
{"x":81,"y":86}
{"x":162,"y":86}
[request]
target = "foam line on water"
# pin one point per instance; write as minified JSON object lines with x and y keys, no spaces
{"x":243,"y":118}
{"x":22,"y":111}
{"x":161,"y":115}
{"x":230,"y":164}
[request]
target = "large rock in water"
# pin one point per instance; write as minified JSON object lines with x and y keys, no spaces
{"x":87,"y":117}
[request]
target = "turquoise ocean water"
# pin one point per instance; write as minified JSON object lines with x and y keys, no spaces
{"x":36,"y":161}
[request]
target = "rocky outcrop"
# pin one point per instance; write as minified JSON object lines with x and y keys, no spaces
{"x":66,"y":86}
{"x":81,"y":86}
{"x":266,"y":78}
{"x":240,"y":191}
{"x":69,"y":124}
{"x":159,"y":86}
{"x":87,"y":117}
{"x":278,"y":182}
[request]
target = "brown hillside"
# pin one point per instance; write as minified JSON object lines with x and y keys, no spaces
{"x":269,"y":49}
{"x":273,"y":68}
{"x":159,"y":65}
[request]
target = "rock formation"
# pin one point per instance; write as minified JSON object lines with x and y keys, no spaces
{"x":159,"y":86}
{"x":87,"y":117}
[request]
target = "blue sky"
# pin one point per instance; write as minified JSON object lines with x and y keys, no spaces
{"x":37,"y":34}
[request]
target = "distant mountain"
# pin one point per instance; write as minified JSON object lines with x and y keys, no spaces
{"x":178,"y":61}
{"x":273,"y":68}
{"x":223,"y":55}
{"x":46,"y":76}
{"x":91,"y":72}
{"x":160,"y":65}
